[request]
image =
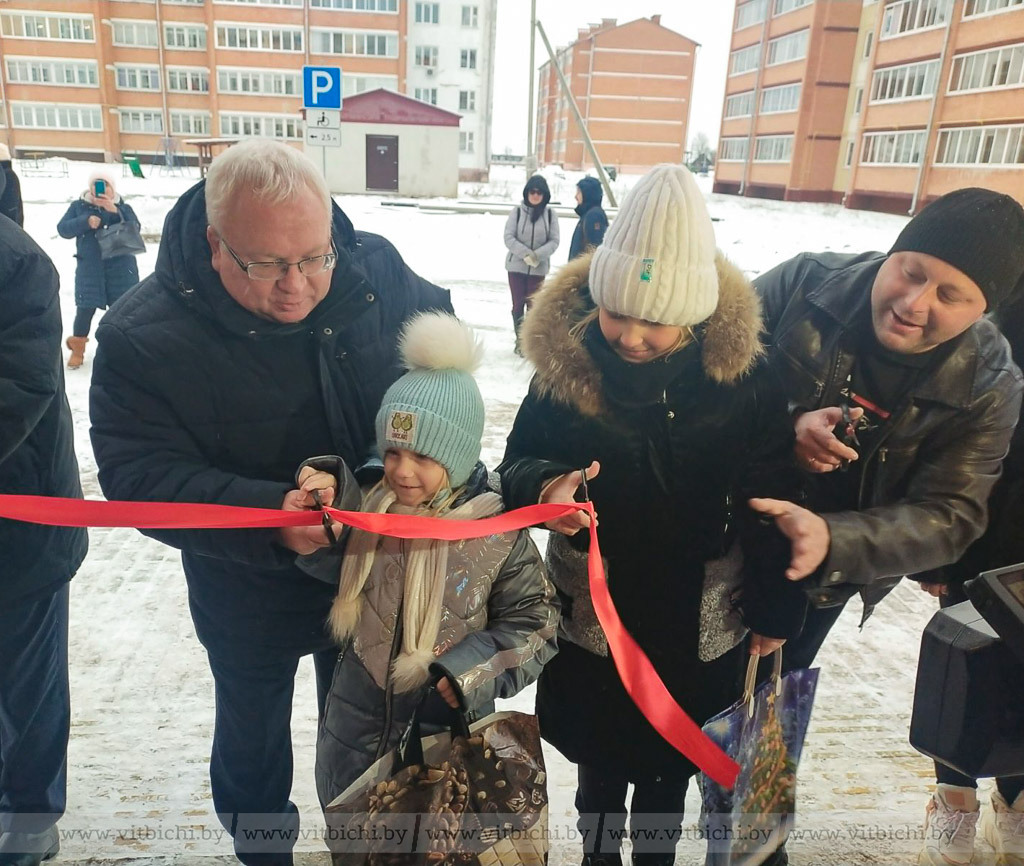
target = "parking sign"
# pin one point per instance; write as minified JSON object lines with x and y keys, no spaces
{"x":321,"y":87}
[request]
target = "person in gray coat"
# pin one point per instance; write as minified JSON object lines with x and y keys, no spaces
{"x":531,"y":235}
{"x":476,"y":618}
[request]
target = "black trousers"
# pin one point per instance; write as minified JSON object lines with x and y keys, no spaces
{"x":656,"y":813}
{"x":802,"y":650}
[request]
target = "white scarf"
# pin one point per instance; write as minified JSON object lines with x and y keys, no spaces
{"x":426,"y":569}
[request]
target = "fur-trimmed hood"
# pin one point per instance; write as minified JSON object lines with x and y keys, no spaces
{"x":730,"y":338}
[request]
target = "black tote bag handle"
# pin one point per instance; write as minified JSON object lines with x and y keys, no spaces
{"x":410,"y":746}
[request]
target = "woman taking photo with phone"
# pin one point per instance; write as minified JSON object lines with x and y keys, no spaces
{"x":99,"y":281}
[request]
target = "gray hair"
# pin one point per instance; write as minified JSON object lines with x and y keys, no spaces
{"x":273,"y":172}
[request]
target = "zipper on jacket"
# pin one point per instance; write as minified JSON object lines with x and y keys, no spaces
{"x":878,"y":450}
{"x":388,"y":685}
{"x":881,"y":454}
{"x":668,"y":412}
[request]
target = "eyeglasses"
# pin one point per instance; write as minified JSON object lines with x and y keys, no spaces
{"x":279,"y":270}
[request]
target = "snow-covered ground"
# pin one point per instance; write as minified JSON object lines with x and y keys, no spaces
{"x":142,"y":692}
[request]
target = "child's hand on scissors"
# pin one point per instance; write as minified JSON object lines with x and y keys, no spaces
{"x":563,"y":489}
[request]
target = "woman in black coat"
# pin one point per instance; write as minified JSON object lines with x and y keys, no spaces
{"x":646,"y":352}
{"x":98,"y":281}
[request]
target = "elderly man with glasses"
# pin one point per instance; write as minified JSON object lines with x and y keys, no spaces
{"x":267,"y":334}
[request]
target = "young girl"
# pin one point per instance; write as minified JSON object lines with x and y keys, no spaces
{"x":476,"y":617}
{"x":645,"y":353}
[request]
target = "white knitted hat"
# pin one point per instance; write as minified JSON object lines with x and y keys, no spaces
{"x":657,"y":261}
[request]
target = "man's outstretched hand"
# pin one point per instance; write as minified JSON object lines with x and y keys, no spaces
{"x":807,"y":533}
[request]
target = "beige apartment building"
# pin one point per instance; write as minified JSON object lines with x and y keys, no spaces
{"x":98,"y":78}
{"x":931,"y":99}
{"x":632,"y":84}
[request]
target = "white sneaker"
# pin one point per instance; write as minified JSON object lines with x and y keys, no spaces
{"x":1004,"y":830}
{"x":949,"y":833}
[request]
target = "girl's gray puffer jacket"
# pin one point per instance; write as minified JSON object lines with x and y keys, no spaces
{"x":497,"y":632}
{"x":524,"y":236}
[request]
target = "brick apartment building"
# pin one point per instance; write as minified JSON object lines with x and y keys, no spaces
{"x":933,"y":100}
{"x":96,"y":78}
{"x":632,"y":83}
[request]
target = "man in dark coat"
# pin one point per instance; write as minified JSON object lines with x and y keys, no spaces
{"x":37,"y":456}
{"x":589,"y":231}
{"x":266,"y":335}
{"x":10,"y":189}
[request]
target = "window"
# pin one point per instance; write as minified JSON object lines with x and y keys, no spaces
{"x":989,"y":7}
{"x":750,"y":13}
{"x":66,"y":28}
{"x":428,"y":13}
{"x":426,"y":55}
{"x":351,"y":84}
{"x":906,"y":16}
{"x":467,"y":58}
{"x":773,"y":148}
{"x":466,"y":140}
{"x":786,"y":97}
{"x":850,"y":147}
{"x":141,"y":120}
{"x":984,"y":145}
{"x":784,"y":6}
{"x":260,"y":82}
{"x":870,"y":38}
{"x":983,"y":70}
{"x":357,"y":5}
{"x":190,"y":123}
{"x":740,"y":104}
{"x":135,"y":34}
{"x":26,"y":115}
{"x":911,"y":81}
{"x":733,"y":149}
{"x":892,"y":148}
{"x":858,"y":100}
{"x":249,"y":37}
{"x":185,"y":36}
{"x":68,"y":73}
{"x":137,"y":77}
{"x":744,"y":59}
{"x":467,"y":100}
{"x":284,"y":126}
{"x":470,"y":16}
{"x":188,"y":80}
{"x":792,"y":46}
{"x":354,"y":43}
{"x":426,"y":94}
{"x":184,"y":2}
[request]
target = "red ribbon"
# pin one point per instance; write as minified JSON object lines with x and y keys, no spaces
{"x":638,"y":675}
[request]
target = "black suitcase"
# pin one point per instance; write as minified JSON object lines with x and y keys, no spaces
{"x":969,"y":696}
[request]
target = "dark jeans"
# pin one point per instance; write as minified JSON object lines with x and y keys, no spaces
{"x":656,"y":812}
{"x":802,"y":650}
{"x":35,"y":712}
{"x":1009,"y":786}
{"x":83,"y":321}
{"x":522,"y":286}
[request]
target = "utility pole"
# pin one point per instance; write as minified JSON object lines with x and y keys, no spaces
{"x":579,"y":119}
{"x":531,"y":157}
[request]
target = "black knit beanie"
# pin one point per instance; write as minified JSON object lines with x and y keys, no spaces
{"x":979,"y":232}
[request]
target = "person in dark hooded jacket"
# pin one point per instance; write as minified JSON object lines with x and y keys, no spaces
{"x":267,"y":333}
{"x":589,"y":231}
{"x":531,"y":235}
{"x":98,"y":281}
{"x":10,"y":189}
{"x":37,"y":457}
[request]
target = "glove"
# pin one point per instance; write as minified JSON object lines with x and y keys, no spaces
{"x":531,"y":260}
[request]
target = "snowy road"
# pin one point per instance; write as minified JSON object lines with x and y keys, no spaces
{"x":142,"y":692}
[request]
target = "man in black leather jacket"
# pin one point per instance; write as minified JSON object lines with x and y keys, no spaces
{"x":267,"y":334}
{"x":892,"y":353}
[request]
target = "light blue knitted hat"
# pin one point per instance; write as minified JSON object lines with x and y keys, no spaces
{"x":436,"y":409}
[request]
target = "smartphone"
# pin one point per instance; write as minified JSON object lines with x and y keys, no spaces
{"x":99,"y":187}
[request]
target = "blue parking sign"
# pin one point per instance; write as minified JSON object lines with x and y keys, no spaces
{"x":321,"y":87}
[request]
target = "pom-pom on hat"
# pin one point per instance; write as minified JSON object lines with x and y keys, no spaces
{"x":658,"y":258}
{"x":436,"y":409}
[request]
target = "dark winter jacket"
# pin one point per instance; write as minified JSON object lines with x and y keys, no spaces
{"x":196,"y":399}
{"x":589,"y":231}
{"x":925,"y":484}
{"x":98,"y":282}
{"x":497,"y":631}
{"x":37,"y":453}
{"x":10,"y":194}
{"x":668,"y":498}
